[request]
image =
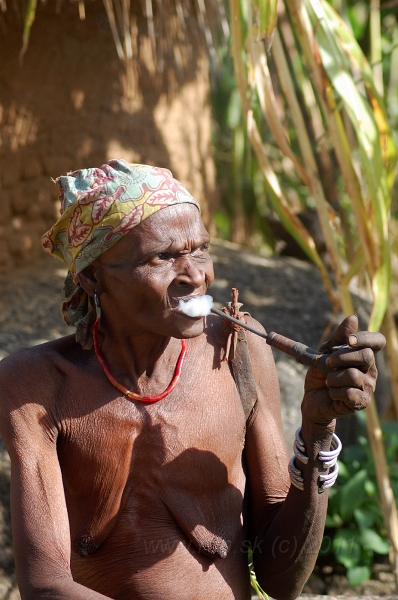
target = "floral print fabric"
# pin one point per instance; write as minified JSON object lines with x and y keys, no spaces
{"x":98,"y":207}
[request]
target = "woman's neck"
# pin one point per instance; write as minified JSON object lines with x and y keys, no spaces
{"x":140,"y":361}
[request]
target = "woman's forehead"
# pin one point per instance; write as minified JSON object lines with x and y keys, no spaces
{"x":171,"y":222}
{"x":175,"y":225}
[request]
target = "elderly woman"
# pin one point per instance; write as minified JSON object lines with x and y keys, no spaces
{"x":137,"y":473}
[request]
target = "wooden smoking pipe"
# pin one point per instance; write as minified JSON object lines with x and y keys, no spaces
{"x":302,"y":353}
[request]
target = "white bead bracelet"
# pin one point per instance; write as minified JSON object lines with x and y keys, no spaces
{"x":328,"y":459}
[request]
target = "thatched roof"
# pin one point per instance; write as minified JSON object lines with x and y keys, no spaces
{"x":174,"y":27}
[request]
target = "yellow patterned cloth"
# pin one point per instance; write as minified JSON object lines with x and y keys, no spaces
{"x":98,"y":207}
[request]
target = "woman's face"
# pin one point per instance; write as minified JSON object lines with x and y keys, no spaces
{"x":143,"y":277}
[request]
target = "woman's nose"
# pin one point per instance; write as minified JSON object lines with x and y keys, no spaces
{"x":190,"y":273}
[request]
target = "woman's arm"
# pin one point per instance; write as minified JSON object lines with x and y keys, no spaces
{"x":287,"y":523}
{"x":38,"y":510}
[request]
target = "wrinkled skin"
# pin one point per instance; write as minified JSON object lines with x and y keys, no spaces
{"x":113,"y":498}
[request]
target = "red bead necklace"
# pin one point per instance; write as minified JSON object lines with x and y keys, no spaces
{"x":124,"y":390}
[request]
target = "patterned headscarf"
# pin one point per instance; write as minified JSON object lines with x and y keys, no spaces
{"x":98,"y":207}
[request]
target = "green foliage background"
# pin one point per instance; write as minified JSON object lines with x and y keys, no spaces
{"x":244,"y":204}
{"x":318,"y":121}
{"x":355,"y":534}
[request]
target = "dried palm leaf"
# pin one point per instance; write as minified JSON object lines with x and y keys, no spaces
{"x":340,"y":84}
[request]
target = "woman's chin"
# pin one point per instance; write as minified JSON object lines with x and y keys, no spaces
{"x":192,"y":327}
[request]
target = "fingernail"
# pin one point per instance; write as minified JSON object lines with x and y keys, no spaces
{"x":352,"y":340}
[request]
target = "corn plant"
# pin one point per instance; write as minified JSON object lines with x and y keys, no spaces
{"x":305,"y":79}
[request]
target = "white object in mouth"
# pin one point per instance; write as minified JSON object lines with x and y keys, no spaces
{"x":199,"y":306}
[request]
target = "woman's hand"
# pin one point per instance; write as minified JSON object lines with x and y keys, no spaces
{"x":348,"y":387}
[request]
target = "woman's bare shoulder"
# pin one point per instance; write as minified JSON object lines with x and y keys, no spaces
{"x":33,"y":359}
{"x":32,"y":375}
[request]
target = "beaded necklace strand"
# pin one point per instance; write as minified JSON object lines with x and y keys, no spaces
{"x":124,"y":390}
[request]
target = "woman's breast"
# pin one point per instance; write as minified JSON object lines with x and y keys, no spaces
{"x":147,"y":484}
{"x":156,"y":560}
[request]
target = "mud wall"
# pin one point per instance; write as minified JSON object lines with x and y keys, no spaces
{"x":68,"y":106}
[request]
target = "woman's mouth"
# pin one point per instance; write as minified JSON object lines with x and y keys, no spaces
{"x":197,"y":306}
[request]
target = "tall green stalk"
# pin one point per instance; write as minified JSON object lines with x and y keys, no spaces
{"x":328,"y":89}
{"x":29,"y":20}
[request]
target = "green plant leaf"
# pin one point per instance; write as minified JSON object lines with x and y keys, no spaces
{"x":370,"y":487}
{"x":29,"y":19}
{"x":357,"y":575}
{"x":346,"y":115}
{"x":394,"y":486}
{"x":343,"y":470}
{"x":373,"y":541}
{"x":358,"y":16}
{"x":265,"y":16}
{"x":333,"y":521}
{"x":346,"y":547}
{"x":390,"y":428}
{"x":336,"y":57}
{"x":234,"y":110}
{"x":364,"y":517}
{"x":354,"y":454}
{"x":290,"y":221}
{"x":381,"y":287}
{"x":353,"y":493}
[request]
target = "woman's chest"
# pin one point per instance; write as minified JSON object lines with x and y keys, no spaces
{"x":101,"y":430}
{"x":178,"y":456}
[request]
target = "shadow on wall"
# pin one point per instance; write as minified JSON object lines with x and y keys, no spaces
{"x":67,"y":108}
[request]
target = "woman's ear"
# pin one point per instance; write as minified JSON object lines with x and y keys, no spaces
{"x":88,"y":279}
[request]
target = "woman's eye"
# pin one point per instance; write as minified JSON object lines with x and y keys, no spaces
{"x":162,"y":257}
{"x":170,"y":257}
{"x":201,"y":250}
